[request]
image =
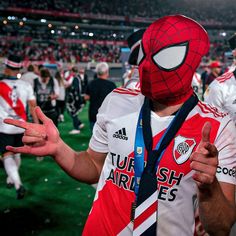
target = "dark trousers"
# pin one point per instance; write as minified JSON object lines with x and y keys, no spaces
{"x":76,"y":121}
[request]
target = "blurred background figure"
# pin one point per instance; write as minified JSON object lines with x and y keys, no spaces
{"x":131,"y":77}
{"x":197,"y":84}
{"x":204,"y":74}
{"x":221,"y":92}
{"x":31,"y":74}
{"x":97,"y":90}
{"x":61,"y":97}
{"x":14,"y":96}
{"x":215,"y":71}
{"x":47,"y":91}
{"x":83,"y":80}
{"x":74,"y":99}
{"x":232,"y":45}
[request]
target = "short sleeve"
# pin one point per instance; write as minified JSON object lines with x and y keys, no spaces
{"x":30,"y":93}
{"x":214,"y":96}
{"x":99,"y":139}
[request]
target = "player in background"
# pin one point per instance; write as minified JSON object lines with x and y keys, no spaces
{"x":134,"y":43}
{"x":221,"y":92}
{"x":14,"y":96}
{"x":184,"y":167}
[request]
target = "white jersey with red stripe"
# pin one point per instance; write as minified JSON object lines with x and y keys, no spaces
{"x":114,"y":133}
{"x":14,"y":95}
{"x":221,"y":93}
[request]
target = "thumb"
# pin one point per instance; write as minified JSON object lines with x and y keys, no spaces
{"x":206,"y":130}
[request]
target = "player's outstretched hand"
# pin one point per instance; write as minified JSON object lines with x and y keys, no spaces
{"x":39,"y":139}
{"x":205,"y":160}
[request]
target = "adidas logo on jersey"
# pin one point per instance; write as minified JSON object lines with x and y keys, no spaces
{"x":121,"y":134}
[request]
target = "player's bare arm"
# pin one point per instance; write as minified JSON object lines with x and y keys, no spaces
{"x":216,"y":200}
{"x":44,"y":139}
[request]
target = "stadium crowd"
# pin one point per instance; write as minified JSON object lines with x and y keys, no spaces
{"x":63,"y":91}
{"x":71,"y":53}
{"x":146,"y":8}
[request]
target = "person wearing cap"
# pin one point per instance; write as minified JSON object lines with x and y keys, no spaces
{"x":215,"y":70}
{"x":15,"y":94}
{"x":97,"y":90}
{"x":221,"y":92}
{"x":157,"y":155}
{"x":132,"y":76}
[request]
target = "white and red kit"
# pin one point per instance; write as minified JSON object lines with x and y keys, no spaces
{"x":14,"y":95}
{"x":221,"y":93}
{"x":114,"y":133}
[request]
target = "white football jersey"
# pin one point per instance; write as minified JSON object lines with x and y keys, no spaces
{"x":114,"y":133}
{"x":14,"y":95}
{"x":222,"y":94}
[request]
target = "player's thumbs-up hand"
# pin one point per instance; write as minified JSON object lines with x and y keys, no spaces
{"x":205,"y":160}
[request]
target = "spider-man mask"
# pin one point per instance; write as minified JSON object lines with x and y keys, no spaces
{"x":171,"y":51}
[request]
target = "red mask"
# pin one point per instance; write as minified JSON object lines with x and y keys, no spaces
{"x":172,"y":49}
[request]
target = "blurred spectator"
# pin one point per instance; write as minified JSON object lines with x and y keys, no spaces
{"x":61,"y":97}
{"x":97,"y":90}
{"x":215,"y":67}
{"x":204,"y":75}
{"x":46,"y":89}
{"x":30,"y":75}
{"x":197,"y":84}
{"x":83,"y":79}
{"x":74,"y":99}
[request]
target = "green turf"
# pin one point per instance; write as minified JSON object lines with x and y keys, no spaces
{"x":55,"y":203}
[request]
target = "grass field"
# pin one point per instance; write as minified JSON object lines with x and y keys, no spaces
{"x":55,"y":204}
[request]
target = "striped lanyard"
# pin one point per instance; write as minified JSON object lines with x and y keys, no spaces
{"x":143,"y":138}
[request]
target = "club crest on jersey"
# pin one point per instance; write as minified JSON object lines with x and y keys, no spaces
{"x":183,"y":148}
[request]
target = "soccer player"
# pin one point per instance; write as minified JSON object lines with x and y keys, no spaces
{"x":154,"y":153}
{"x":221,"y":92}
{"x":14,"y":96}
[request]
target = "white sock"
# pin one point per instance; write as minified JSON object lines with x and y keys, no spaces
{"x":17,"y":158}
{"x":9,"y":180}
{"x":12,"y":170}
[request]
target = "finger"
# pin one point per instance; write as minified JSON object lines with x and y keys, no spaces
{"x":206,"y":130}
{"x":213,"y":152}
{"x":200,"y":157}
{"x":203,"y":168}
{"x":203,"y":179}
{"x":34,"y":133}
{"x":24,"y":149}
{"x":18,"y":123}
{"x":41,"y":116}
{"x":32,"y":140}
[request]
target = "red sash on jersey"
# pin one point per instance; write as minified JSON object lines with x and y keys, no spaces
{"x":19,"y":109}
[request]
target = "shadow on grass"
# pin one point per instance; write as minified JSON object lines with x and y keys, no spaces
{"x":26,"y":221}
